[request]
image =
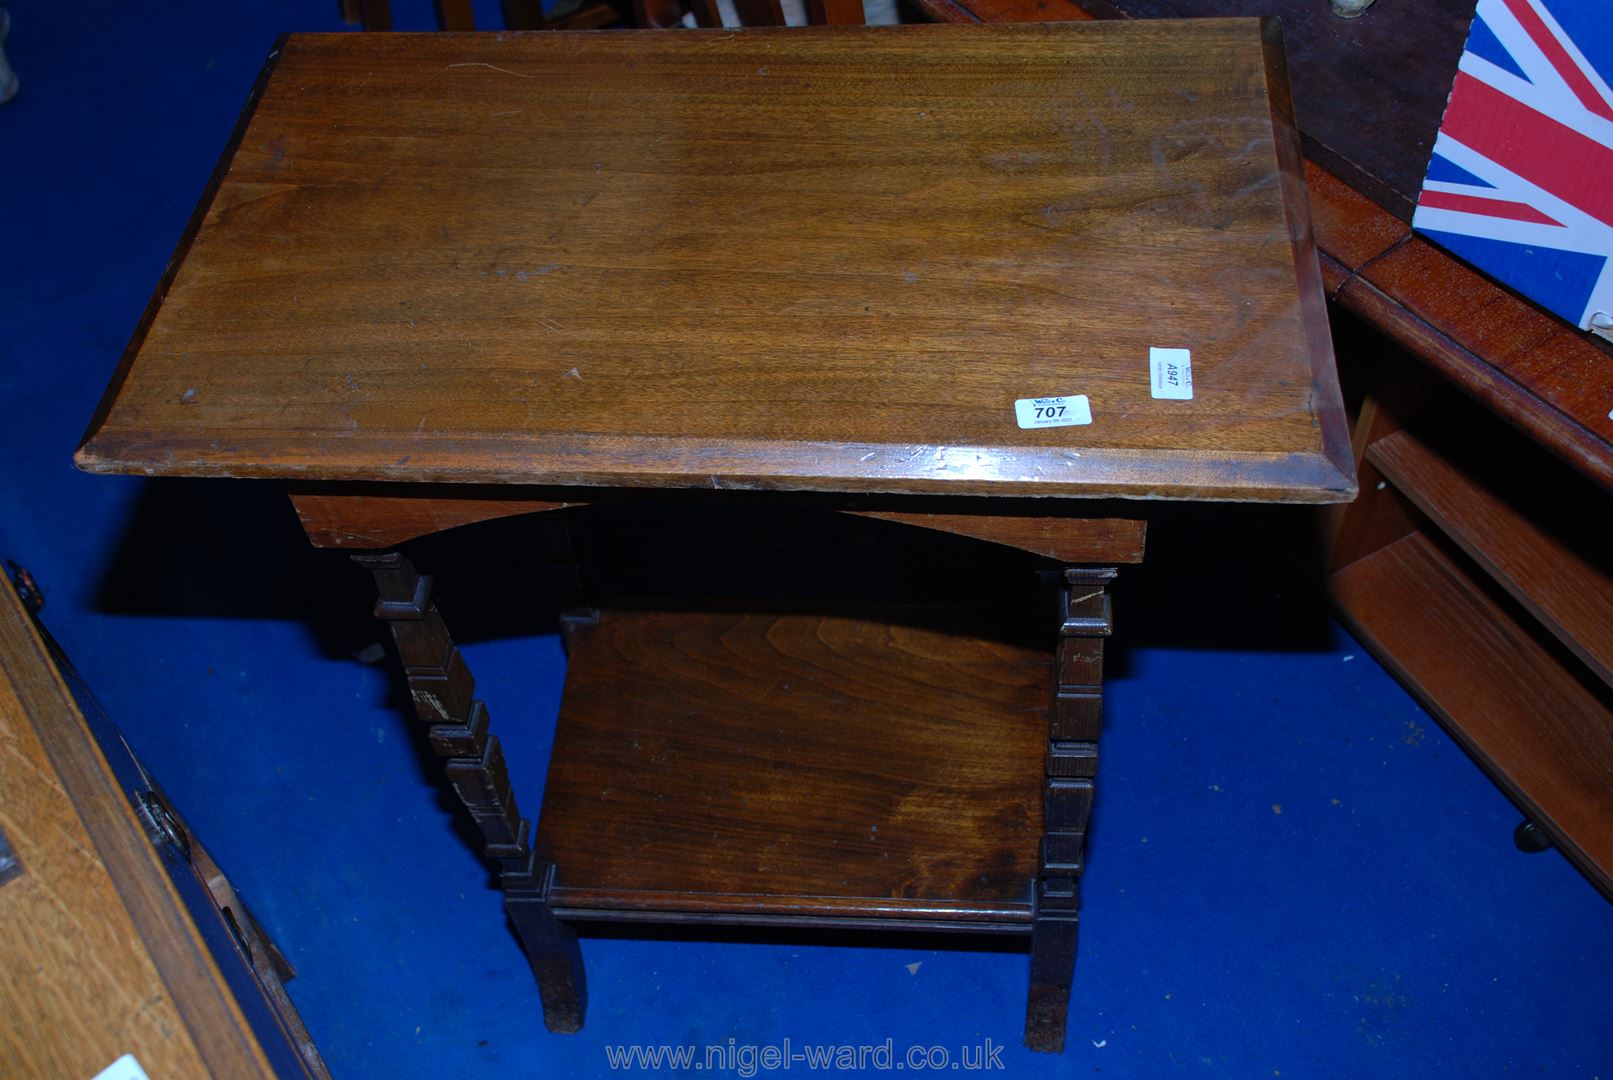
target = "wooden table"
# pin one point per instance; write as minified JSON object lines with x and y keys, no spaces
{"x":802,"y":277}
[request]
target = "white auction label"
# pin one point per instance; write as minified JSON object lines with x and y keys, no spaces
{"x":1034,"y":412}
{"x":125,"y":1068}
{"x":1170,"y":374}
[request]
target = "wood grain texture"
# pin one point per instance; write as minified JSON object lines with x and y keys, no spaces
{"x":1351,"y":228}
{"x":99,"y":957}
{"x":79,"y":971}
{"x":1067,"y":539}
{"x":720,"y":762}
{"x":1377,"y":518}
{"x":1542,"y":735}
{"x":1533,"y":537}
{"x":374,"y":516}
{"x":817,"y":259}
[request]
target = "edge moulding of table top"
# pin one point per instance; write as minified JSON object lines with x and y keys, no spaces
{"x":778,"y":272}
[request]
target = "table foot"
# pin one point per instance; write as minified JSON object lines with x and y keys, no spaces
{"x":1074,"y":722}
{"x":551,"y":947}
{"x":1530,"y":838}
{"x":441,"y":687}
{"x":1052,"y":970}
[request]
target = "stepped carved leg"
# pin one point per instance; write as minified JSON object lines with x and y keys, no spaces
{"x":441,"y":687}
{"x":1072,"y":764}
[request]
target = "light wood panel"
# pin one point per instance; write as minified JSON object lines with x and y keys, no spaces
{"x":97,"y":957}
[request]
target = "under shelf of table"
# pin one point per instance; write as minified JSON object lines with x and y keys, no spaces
{"x":800,"y":767}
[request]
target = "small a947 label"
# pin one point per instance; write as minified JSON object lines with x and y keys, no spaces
{"x":1053,"y":411}
{"x":1170,"y":374}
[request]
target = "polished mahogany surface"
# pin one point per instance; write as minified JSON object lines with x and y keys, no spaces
{"x":723,"y":762}
{"x":823,"y":259}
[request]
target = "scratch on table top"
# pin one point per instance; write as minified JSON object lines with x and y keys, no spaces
{"x":491,"y":67}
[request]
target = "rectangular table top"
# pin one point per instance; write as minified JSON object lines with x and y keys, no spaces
{"x":825,"y":259}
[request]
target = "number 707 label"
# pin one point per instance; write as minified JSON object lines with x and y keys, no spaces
{"x":1053,"y":411}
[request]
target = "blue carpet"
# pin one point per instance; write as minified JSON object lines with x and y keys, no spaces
{"x":1294,"y":872}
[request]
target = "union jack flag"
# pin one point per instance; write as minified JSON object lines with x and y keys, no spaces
{"x":1521,"y":181}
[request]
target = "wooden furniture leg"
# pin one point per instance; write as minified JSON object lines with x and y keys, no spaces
{"x":1072,"y":764}
{"x":375,"y":14}
{"x":441,"y":686}
{"x":455,"y":15}
{"x":835,"y":12}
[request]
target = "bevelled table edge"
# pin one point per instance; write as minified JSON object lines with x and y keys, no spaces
{"x":193,"y":225}
{"x":1326,"y":399}
{"x":1314,"y":477}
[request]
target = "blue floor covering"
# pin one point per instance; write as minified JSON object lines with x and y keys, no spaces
{"x":1293,"y":873}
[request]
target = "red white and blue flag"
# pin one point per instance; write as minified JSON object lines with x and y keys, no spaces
{"x":1521,"y":181}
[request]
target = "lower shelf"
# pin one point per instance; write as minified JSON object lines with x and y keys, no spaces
{"x":1531,"y":534}
{"x":1544,"y":733}
{"x":797,"y":768}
